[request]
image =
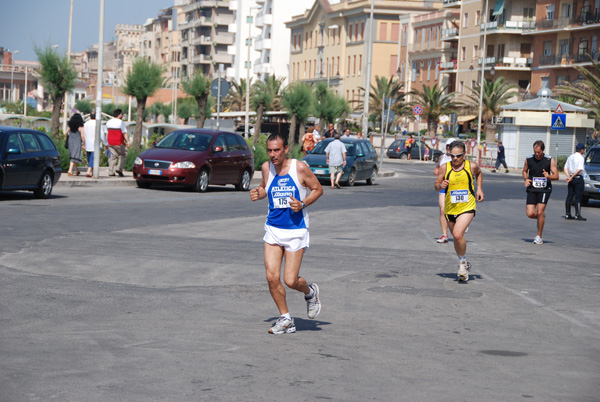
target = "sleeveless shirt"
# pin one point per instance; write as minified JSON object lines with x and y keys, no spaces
{"x":279,"y":191}
{"x":539,"y":184}
{"x":460,"y":193}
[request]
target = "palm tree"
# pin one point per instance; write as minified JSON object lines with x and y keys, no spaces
{"x":320,"y":103}
{"x":275,"y":86}
{"x":235,"y":100}
{"x":586,"y":89}
{"x":434,"y":103}
{"x":385,"y":88}
{"x":142,"y":81}
{"x":297,"y":100}
{"x":199,"y":88}
{"x":58,"y":77}
{"x":496,"y":93}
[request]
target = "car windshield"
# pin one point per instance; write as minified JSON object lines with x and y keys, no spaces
{"x":593,"y":156}
{"x":185,"y":140}
{"x":320,"y":148}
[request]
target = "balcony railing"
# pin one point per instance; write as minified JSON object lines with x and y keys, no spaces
{"x":509,"y":25}
{"x":514,"y":62}
{"x":450,"y":33}
{"x":565,"y":59}
{"x":452,"y":3}
{"x":449,"y":65}
{"x":584,"y":18}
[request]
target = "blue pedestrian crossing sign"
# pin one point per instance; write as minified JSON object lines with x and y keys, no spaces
{"x":559,"y":121}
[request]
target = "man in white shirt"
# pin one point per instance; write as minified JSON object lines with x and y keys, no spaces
{"x":335,"y":154}
{"x":89,"y":132}
{"x":316,"y":134}
{"x":574,"y":169}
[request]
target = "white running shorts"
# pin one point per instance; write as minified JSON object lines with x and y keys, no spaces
{"x":289,"y":239}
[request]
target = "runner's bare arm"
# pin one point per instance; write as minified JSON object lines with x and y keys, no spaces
{"x":259,"y":192}
{"x":476,"y":171}
{"x":440,"y":183}
{"x":553,"y":170}
{"x":525,"y":174}
{"x":307,"y":179}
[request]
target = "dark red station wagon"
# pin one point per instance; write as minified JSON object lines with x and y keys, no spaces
{"x":196,"y":158}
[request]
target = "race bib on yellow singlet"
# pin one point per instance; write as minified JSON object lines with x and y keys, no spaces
{"x":458,"y":196}
{"x":539,"y":182}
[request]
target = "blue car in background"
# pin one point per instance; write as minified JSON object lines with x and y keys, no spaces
{"x":361,"y":161}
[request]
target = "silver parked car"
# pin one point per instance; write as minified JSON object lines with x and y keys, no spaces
{"x":591,"y":177}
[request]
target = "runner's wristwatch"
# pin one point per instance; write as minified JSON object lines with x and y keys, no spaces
{"x":303,"y":205}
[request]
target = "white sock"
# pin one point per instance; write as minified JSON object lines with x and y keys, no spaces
{"x":311,"y":294}
{"x":286,"y":315}
{"x":462,"y":258}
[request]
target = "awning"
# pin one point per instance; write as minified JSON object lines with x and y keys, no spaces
{"x":499,"y":7}
{"x":462,"y":119}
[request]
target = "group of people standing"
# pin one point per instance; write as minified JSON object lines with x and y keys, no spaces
{"x":83,"y":136}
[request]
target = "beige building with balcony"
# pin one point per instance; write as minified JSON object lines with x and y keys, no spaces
{"x":128,"y":39}
{"x":205,"y":37}
{"x":329,"y":43}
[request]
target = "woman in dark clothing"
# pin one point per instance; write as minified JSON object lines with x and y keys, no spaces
{"x":76,"y":141}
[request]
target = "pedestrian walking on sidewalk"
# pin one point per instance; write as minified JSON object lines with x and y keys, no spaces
{"x":574,"y":169}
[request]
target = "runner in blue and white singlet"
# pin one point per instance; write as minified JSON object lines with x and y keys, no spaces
{"x":279,"y":190}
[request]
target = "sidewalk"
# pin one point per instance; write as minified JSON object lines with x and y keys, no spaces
{"x":106,"y":181}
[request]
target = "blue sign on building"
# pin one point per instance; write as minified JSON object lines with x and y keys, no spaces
{"x":559,"y":121}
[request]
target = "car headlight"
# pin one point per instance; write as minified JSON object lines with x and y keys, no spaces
{"x":138,"y":161}
{"x":184,"y":165}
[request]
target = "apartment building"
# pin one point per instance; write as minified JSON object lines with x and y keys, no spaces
{"x":128,"y":38}
{"x":428,"y":43}
{"x":329,"y":42}
{"x":565,"y":35}
{"x":205,"y":36}
{"x":244,"y":29}
{"x":161,"y":40}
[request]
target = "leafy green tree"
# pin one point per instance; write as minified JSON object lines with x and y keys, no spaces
{"x":297,"y":101}
{"x":434,"y":103}
{"x":58,"y":77}
{"x":85,"y":106}
{"x":143,"y":81}
{"x":496,"y":93}
{"x":198,"y":87}
{"x":275,"y":86}
{"x":586,"y":90}
{"x":186,"y":108}
{"x":161,"y":109}
{"x":261,"y":102}
{"x":328,"y":107}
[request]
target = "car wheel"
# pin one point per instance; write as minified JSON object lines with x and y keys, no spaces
{"x":143,"y":184}
{"x":436,"y":158}
{"x":403,"y":156}
{"x":45,"y":187}
{"x":371,"y":180}
{"x":244,"y":184}
{"x":351,"y":178}
{"x":202,"y":182}
{"x":585,"y":200}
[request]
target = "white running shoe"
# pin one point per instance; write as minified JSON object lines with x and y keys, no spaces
{"x":313,"y":305}
{"x":538,"y":240}
{"x":463,"y":271}
{"x":443,"y":239}
{"x":283,"y":326}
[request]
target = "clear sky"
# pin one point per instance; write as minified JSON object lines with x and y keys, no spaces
{"x":25,"y":23}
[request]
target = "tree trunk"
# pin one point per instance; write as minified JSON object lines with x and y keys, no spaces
{"x":257,"y":125}
{"x":322,"y":126}
{"x":201,"y":111}
{"x":139,"y":120}
{"x":55,"y":123}
{"x":292,"y":136}
{"x":302,"y":129}
{"x":490,"y":132}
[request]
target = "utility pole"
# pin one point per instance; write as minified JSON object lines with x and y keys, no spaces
{"x":99,"y":92}
{"x":365,"y":125}
{"x":65,"y":101}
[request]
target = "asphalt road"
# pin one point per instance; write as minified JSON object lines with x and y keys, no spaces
{"x":124,"y":294}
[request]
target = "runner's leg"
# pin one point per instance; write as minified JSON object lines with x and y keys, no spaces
{"x":458,"y":232}
{"x":291,"y":269}
{"x":541,"y":219}
{"x":273,"y":259}
{"x":443,"y":220}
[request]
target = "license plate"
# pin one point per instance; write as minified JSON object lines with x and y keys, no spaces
{"x":155,"y":172}
{"x":320,"y":171}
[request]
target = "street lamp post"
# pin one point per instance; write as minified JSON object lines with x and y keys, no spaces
{"x":485,"y":12}
{"x":248,"y":44}
{"x":12,"y":69}
{"x":69,"y":59}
